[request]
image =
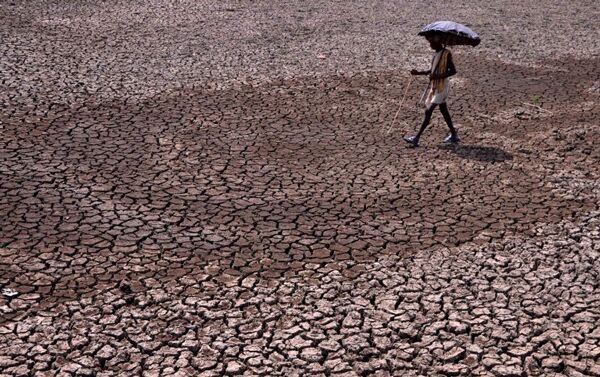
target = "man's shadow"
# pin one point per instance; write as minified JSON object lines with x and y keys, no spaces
{"x":478,"y":152}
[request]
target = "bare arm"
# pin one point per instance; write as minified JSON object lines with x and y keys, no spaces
{"x":451,"y":70}
{"x":414,"y":72}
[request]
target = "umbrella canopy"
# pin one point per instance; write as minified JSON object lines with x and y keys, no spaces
{"x":452,"y":33}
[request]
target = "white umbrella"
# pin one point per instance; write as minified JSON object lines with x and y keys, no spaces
{"x":452,"y":33}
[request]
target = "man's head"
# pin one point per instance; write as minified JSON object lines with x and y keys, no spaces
{"x":435,"y":41}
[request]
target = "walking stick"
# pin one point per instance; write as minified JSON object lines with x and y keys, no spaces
{"x":400,"y":105}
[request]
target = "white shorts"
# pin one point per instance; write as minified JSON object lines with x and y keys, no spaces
{"x":436,"y":97}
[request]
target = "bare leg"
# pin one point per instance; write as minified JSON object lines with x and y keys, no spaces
{"x":426,"y":121}
{"x":448,"y":119}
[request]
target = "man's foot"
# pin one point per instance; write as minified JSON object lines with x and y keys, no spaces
{"x":412,"y":140}
{"x":451,"y":139}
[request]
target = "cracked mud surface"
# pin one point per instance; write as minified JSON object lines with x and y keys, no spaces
{"x":208,"y":189}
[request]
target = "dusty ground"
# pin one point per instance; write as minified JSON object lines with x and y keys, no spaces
{"x":200,"y":188}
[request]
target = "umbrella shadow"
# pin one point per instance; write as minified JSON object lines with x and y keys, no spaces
{"x":479,"y":152}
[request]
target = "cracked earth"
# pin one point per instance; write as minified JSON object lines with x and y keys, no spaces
{"x":210,"y":189}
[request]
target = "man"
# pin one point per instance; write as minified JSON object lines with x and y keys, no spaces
{"x":442,"y":67}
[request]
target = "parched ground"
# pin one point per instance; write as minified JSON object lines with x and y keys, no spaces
{"x":210,"y":188}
